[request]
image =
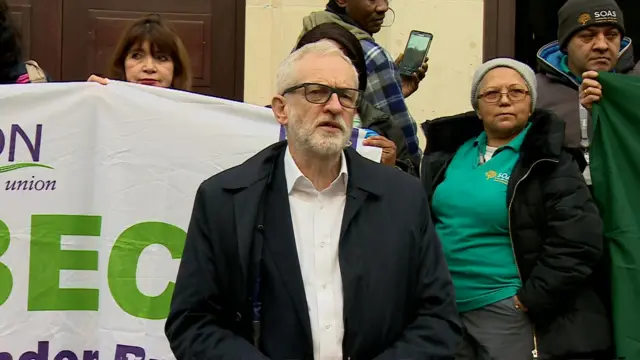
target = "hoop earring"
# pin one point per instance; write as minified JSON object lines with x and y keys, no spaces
{"x":393,"y":19}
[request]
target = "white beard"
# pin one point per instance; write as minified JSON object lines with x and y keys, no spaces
{"x":308,"y":137}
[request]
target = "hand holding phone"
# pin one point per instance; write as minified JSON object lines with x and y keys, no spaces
{"x":415,"y":52}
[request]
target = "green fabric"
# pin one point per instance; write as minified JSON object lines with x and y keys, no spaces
{"x":615,"y":172}
{"x":322,"y":17}
{"x":473,"y":223}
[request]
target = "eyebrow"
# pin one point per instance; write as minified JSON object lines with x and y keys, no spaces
{"x":508,"y":87}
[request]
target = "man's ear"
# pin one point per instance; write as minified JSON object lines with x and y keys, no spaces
{"x":279,"y":108}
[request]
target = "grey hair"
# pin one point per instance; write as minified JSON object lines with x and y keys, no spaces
{"x":286,"y":76}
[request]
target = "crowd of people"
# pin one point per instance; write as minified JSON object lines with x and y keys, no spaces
{"x":487,"y":245}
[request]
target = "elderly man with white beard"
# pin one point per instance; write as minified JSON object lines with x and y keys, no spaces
{"x":308,"y":250}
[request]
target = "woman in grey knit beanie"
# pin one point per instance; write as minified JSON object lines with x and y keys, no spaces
{"x":528,"y":75}
{"x":503,"y":94}
{"x":517,"y":224}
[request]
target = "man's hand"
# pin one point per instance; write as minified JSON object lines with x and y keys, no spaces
{"x":410,"y":84}
{"x":388,"y":148}
{"x":590,"y":89}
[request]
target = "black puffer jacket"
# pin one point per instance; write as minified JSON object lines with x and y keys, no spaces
{"x":555,"y":228}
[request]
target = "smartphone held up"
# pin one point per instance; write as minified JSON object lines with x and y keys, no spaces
{"x":415,"y":52}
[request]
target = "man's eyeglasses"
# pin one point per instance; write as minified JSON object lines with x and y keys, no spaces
{"x":514,"y":94}
{"x":320,"y":94}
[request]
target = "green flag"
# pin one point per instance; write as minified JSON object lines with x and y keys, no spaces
{"x":615,"y":174}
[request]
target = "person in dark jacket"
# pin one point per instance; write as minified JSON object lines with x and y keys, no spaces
{"x":519,"y":228}
{"x":390,"y":139}
{"x":309,"y":251}
{"x":13,"y":68}
{"x":590,"y":38}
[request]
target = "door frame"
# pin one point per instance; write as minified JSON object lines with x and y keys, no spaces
{"x":241,"y":9}
{"x":499,"y":29}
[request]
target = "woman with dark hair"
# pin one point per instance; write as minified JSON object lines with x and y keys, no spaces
{"x":388,"y":135}
{"x":13,"y":68}
{"x":150,"y":53}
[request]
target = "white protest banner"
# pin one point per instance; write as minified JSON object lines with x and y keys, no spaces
{"x":96,"y":190}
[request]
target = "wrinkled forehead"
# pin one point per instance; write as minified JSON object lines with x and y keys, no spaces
{"x":330,"y":70}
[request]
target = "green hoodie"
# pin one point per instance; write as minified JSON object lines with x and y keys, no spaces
{"x":323,"y":17}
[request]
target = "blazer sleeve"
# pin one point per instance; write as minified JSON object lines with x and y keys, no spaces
{"x":574,"y":243}
{"x":436,"y":330}
{"x":193,"y":327}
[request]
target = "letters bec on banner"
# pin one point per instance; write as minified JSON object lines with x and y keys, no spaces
{"x":97,"y":185}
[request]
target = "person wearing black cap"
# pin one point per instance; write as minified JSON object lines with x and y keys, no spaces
{"x":590,"y":38}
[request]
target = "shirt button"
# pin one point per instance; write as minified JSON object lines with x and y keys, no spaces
{"x":322,"y":244}
{"x":328,"y":326}
{"x":324,"y":286}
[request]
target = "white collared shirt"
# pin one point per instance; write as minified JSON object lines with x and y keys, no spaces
{"x":317,"y":220}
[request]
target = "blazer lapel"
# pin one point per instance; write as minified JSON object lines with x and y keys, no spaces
{"x":355,"y":199}
{"x":363,"y":187}
{"x":349,"y":253}
{"x":362,"y":184}
{"x":246,"y":204}
{"x":280,"y":243}
{"x":248,"y":185}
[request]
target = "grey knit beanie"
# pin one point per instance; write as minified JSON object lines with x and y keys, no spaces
{"x":523,"y":69}
{"x":576,"y":15}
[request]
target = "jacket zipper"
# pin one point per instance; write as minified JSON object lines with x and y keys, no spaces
{"x":515,"y":188}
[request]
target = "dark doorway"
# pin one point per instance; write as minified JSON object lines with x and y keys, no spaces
{"x":537,"y":25}
{"x":39,"y":22}
{"x":72,"y":39}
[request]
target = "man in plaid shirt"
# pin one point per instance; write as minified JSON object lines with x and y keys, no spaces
{"x":386,"y":89}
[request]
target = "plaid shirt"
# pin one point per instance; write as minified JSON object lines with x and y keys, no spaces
{"x":384,"y":91}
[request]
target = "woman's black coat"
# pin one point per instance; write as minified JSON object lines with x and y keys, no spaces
{"x":555,"y":228}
